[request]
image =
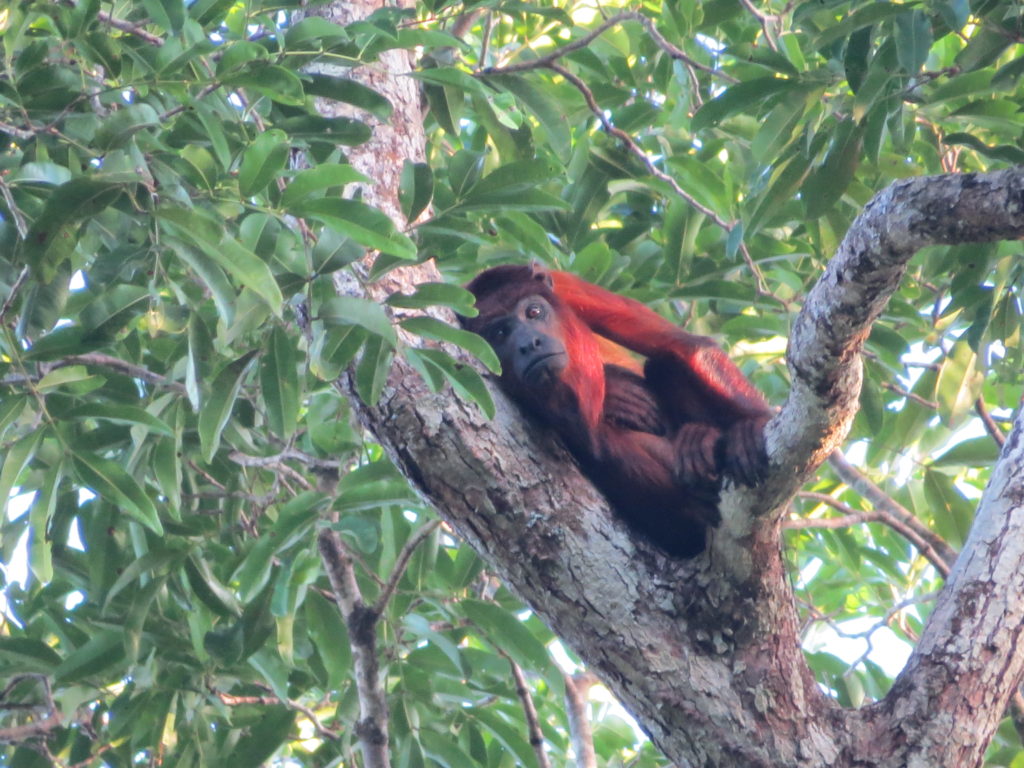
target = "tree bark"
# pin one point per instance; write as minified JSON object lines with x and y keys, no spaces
{"x":705,"y":653}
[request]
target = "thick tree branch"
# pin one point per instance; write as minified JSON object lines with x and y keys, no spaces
{"x":826,"y":340}
{"x":970,"y":658}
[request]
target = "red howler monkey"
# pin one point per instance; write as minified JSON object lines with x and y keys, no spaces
{"x":657,"y":444}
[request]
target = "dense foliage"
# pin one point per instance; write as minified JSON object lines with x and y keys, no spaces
{"x":171,"y":225}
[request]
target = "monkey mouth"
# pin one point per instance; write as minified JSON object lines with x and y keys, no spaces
{"x":541,"y":368}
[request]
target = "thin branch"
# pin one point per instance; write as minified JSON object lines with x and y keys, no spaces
{"x":532,"y":722}
{"x":231,"y":700}
{"x":13,"y":295}
{"x":929,"y":543}
{"x":766,"y":20}
{"x":18,"y":733}
{"x":979,"y":407}
{"x":421,"y":535}
{"x":880,"y":514}
{"x":130,"y":28}
{"x":545,"y":62}
{"x":931,"y":404}
{"x":372,"y":728}
{"x":246,"y":460}
{"x":12,"y":208}
{"x":634,"y":148}
{"x":121,"y":366}
{"x":580,"y":732}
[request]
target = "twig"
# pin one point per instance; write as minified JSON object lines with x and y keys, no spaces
{"x":237,"y":701}
{"x":401,"y":562}
{"x":851,"y":517}
{"x":121,"y":366}
{"x":130,"y":28}
{"x":290,"y":453}
{"x":361,"y":620}
{"x":909,"y":395}
{"x":547,"y":61}
{"x":206,"y":90}
{"x":766,"y":20}
{"x":18,"y":733}
{"x":979,"y":407}
{"x":532,"y":722}
{"x":22,"y":276}
{"x":634,"y":148}
{"x":930,"y":544}
{"x":19,"y":220}
{"x":580,"y":732}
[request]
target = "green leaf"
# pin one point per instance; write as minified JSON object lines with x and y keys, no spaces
{"x":273,"y":81}
{"x":330,"y":635}
{"x":40,"y":514}
{"x":739,"y":97}
{"x":23,"y":654}
{"x":103,"y":650}
{"x":242,"y":264}
{"x":121,"y":413}
{"x":506,"y":632}
{"x":366,"y":225}
{"x":435,"y":365}
{"x":110,"y":481}
{"x":431,"y":328}
{"x":974,"y":452}
{"x":372,"y":369}
{"x":333,"y":348}
{"x":828,"y":183}
{"x":53,"y":235}
{"x":436,"y":294}
{"x":279,"y":383}
{"x":17,"y":458}
{"x":220,"y":399}
{"x":959,"y":384}
{"x":325,"y":176}
{"x":913,"y":39}
{"x":118,"y":128}
{"x":333,"y":130}
{"x":262,"y":161}
{"x":363,"y":312}
{"x":450,"y":76}
{"x":415,"y":189}
{"x":294,"y":522}
{"x":1006,"y":153}
{"x":349,"y":91}
{"x":260,"y":741}
{"x":551,"y":116}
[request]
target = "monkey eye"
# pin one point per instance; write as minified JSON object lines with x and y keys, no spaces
{"x":497,"y":332}
{"x":534,"y":311}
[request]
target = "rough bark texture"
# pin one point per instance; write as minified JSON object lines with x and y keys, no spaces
{"x":705,"y":653}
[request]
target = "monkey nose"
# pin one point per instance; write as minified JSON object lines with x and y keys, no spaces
{"x":530,"y":345}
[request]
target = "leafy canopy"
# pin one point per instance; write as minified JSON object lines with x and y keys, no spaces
{"x":171,"y":221}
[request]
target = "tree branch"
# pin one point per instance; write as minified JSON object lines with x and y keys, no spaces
{"x":372,"y":728}
{"x":580,"y":733}
{"x":536,"y":738}
{"x":386,"y":592}
{"x":826,"y":339}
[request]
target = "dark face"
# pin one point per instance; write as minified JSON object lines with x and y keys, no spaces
{"x":528,"y":342}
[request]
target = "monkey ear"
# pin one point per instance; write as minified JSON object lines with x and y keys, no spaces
{"x":542,"y":275}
